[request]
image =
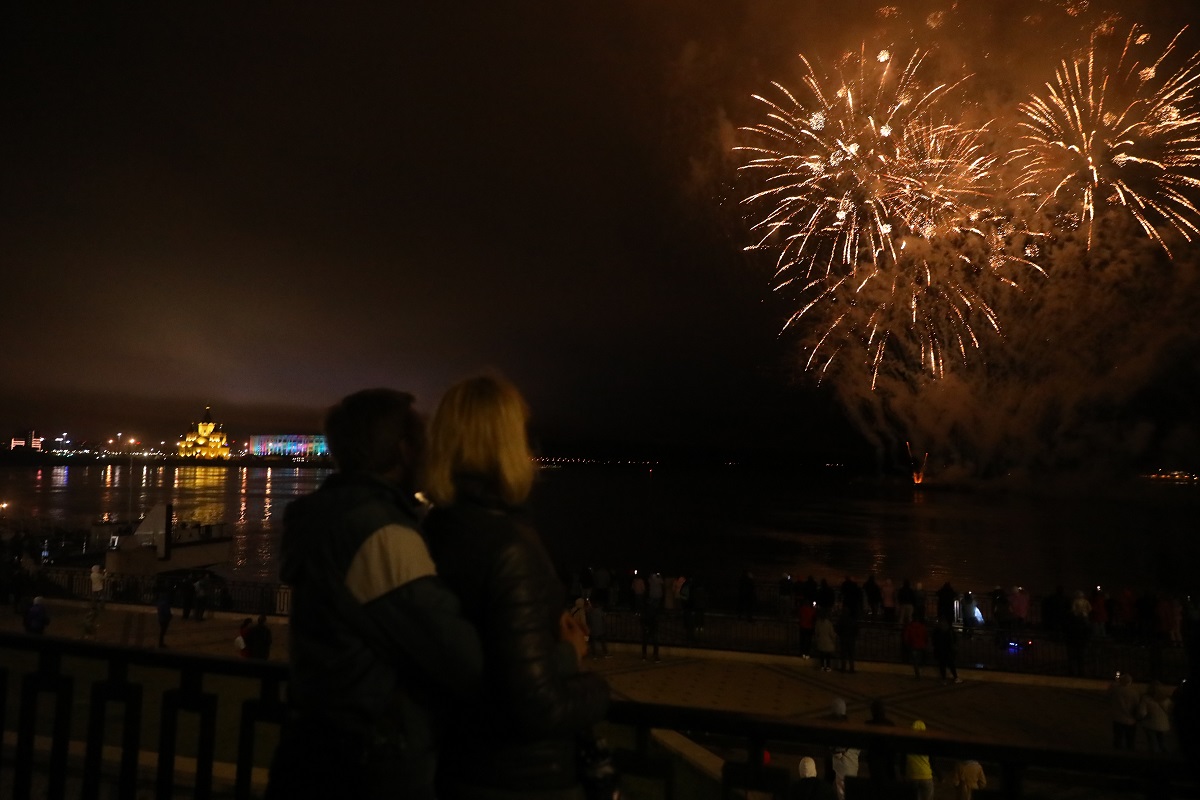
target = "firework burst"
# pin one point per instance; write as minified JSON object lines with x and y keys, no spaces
{"x":1112,"y":130}
{"x":827,"y":163}
{"x":876,"y":207}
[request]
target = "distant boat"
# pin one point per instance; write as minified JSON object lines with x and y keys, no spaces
{"x":158,"y":545}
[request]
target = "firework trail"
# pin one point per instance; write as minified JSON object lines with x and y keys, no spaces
{"x":1113,"y":131}
{"x":878,"y":209}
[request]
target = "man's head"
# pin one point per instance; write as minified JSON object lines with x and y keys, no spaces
{"x":377,"y":431}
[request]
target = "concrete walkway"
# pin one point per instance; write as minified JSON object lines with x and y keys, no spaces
{"x":1025,"y":709}
{"x":1055,"y":712}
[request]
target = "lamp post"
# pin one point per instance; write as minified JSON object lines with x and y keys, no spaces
{"x":132,"y":442}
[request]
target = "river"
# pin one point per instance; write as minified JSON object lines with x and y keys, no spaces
{"x":714,"y":521}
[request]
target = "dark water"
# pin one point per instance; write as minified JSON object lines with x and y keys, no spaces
{"x":713,"y":521}
{"x":720,"y":521}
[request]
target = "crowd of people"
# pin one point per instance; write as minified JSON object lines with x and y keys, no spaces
{"x":1150,"y":616}
{"x":830,"y":621}
{"x":929,"y":626}
{"x":830,"y":616}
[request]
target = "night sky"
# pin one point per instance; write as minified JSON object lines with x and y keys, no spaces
{"x":262,"y":207}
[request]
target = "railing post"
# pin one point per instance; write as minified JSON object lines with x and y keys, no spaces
{"x":46,"y":679}
{"x":267,"y":708}
{"x":188,"y":697}
{"x":116,"y":689}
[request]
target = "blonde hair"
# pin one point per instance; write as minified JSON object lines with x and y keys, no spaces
{"x":479,"y":429}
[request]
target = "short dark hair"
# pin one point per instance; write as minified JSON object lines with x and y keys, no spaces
{"x":375,"y":431}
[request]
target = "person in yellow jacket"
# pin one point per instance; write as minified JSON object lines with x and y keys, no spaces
{"x":918,"y":770}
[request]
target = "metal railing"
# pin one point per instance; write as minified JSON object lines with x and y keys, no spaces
{"x":155,"y":704}
{"x":150,"y":710}
{"x":244,"y":597}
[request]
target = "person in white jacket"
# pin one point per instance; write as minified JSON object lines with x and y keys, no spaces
{"x":844,"y":759}
{"x":96,"y":578}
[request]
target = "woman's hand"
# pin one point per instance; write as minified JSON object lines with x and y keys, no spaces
{"x":571,"y":631}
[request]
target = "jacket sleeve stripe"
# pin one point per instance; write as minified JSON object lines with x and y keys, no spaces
{"x":390,"y":557}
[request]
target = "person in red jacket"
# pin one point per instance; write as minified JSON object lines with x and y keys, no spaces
{"x":915,"y":637}
{"x":239,"y":641}
{"x":806,"y":616}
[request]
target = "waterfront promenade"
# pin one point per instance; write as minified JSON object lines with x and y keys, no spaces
{"x":1023,"y":709}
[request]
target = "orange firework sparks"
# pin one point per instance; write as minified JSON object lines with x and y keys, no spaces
{"x":877,"y":207}
{"x":1113,"y":130}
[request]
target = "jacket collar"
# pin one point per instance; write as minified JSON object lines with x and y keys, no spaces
{"x":403,"y":498}
{"x":479,"y":490}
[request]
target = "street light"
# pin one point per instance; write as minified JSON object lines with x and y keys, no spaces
{"x":132,"y":442}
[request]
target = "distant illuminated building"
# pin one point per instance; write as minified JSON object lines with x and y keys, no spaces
{"x":30,"y":440}
{"x":205,"y":440}
{"x":289,"y":445}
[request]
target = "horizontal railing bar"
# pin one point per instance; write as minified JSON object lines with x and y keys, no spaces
{"x":162,"y":658}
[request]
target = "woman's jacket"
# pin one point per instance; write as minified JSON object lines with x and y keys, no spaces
{"x":522,"y":733}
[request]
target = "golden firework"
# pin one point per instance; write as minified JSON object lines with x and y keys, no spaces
{"x":877,"y":208}
{"x":1116,"y":128}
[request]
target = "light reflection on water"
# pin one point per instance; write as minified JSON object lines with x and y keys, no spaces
{"x":246,"y":498}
